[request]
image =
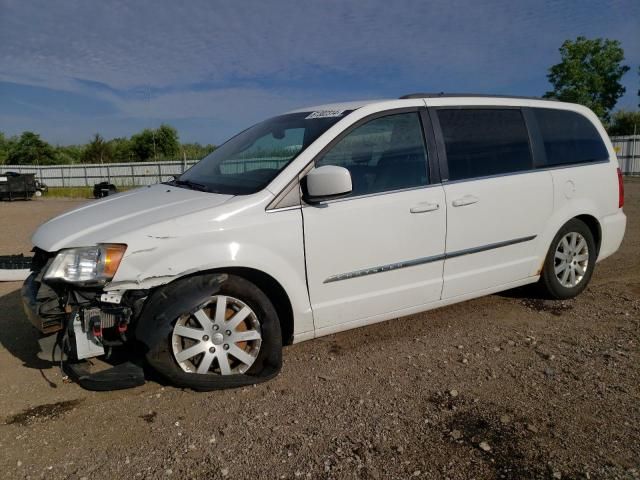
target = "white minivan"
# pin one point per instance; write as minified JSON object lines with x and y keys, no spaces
{"x":325,"y":219}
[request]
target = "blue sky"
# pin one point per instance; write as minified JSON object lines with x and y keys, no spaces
{"x":70,"y":69}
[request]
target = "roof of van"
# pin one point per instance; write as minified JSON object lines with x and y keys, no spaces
{"x":353,"y":105}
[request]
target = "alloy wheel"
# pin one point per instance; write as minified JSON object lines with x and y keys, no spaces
{"x":222,"y":337}
{"x":571,"y":259}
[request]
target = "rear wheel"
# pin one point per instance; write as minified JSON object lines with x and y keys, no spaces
{"x":570,"y":261}
{"x":227,"y":337}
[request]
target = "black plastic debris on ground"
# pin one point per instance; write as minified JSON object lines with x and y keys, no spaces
{"x":15,"y":262}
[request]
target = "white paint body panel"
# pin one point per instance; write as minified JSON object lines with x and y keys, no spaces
{"x":171,"y":232}
{"x":508,"y":208}
{"x":342,"y":237}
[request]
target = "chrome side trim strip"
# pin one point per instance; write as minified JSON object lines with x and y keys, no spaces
{"x":490,"y":246}
{"x":384,"y":268}
{"x":423,"y":260}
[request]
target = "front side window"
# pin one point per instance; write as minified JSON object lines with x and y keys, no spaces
{"x":384,"y":154}
{"x":569,"y":137}
{"x":482,"y":142}
{"x":252,"y":159}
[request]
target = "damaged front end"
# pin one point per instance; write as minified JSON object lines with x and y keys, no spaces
{"x":64,"y":296}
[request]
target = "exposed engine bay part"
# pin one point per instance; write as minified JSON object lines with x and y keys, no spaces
{"x":85,"y":327}
{"x":84,"y":342}
{"x":90,"y":328}
{"x":90,"y":332}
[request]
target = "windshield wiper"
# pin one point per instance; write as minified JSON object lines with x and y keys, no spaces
{"x":189,"y":184}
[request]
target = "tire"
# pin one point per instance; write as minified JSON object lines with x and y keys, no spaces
{"x":561,"y":283}
{"x":179,"y":307}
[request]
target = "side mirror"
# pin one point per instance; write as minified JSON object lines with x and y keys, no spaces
{"x":326,"y":183}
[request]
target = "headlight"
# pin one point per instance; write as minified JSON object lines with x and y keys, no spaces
{"x":96,"y":264}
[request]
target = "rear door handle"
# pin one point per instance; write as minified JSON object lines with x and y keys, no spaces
{"x":424,"y":207}
{"x":466,"y":200}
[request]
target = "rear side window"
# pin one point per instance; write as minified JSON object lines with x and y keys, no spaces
{"x":569,"y":137}
{"x":481,"y":142}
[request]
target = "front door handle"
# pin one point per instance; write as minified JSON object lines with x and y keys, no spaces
{"x":424,"y":207}
{"x":466,"y":200}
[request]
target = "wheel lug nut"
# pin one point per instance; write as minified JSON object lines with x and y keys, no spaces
{"x":212,"y":350}
{"x":205,"y":338}
{"x":226,"y":346}
{"x":228,"y":332}
{"x":216,"y":327}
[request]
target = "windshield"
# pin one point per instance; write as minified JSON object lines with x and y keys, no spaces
{"x":252,"y":159}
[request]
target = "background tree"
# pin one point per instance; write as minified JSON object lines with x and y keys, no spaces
{"x":589,"y":74}
{"x":5,"y":146}
{"x":167,"y":142}
{"x":143,"y":145}
{"x":97,"y":151}
{"x":121,"y":149}
{"x":68,"y":154}
{"x":162,"y":143}
{"x":195,"y":151}
{"x":29,"y":149}
{"x":624,"y":122}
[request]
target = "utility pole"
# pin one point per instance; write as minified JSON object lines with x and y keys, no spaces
{"x":153,"y":133}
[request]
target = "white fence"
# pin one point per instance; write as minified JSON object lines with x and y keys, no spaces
{"x":628,"y":153}
{"x":86,"y":175}
{"x":147,"y":173}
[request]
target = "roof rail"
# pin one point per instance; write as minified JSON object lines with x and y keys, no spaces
{"x":482,"y":95}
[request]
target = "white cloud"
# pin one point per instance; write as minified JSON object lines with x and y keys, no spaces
{"x":267,"y":56}
{"x":127,"y":44}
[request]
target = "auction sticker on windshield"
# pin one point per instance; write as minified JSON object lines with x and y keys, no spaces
{"x":325,"y":114}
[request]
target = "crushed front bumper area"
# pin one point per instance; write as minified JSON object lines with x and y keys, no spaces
{"x":41,"y":305}
{"x":85,"y":328}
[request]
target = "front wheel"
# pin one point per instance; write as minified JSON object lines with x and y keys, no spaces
{"x":225,"y":334}
{"x":570,"y":261}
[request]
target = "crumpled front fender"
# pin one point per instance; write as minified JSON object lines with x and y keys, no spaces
{"x":168,"y":302}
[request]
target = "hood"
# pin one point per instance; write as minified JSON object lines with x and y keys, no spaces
{"x":108,"y":219}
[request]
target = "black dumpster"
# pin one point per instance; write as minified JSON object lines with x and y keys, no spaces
{"x":17,"y":185}
{"x":104,"y":189}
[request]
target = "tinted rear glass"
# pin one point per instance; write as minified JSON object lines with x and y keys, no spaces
{"x":569,"y":137}
{"x":482,"y":142}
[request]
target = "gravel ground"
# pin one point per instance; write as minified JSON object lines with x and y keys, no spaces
{"x":505,"y":386}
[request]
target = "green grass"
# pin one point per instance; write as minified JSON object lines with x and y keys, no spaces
{"x":77,"y":192}
{"x":69,"y":192}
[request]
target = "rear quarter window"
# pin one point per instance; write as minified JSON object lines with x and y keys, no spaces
{"x":569,"y":137}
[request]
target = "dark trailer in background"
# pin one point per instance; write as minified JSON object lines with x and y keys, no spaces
{"x":17,"y":185}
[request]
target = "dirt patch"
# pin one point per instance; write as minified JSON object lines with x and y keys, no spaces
{"x":555,"y":307}
{"x":42,"y":413}
{"x":149,"y":417}
{"x":499,"y":445}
